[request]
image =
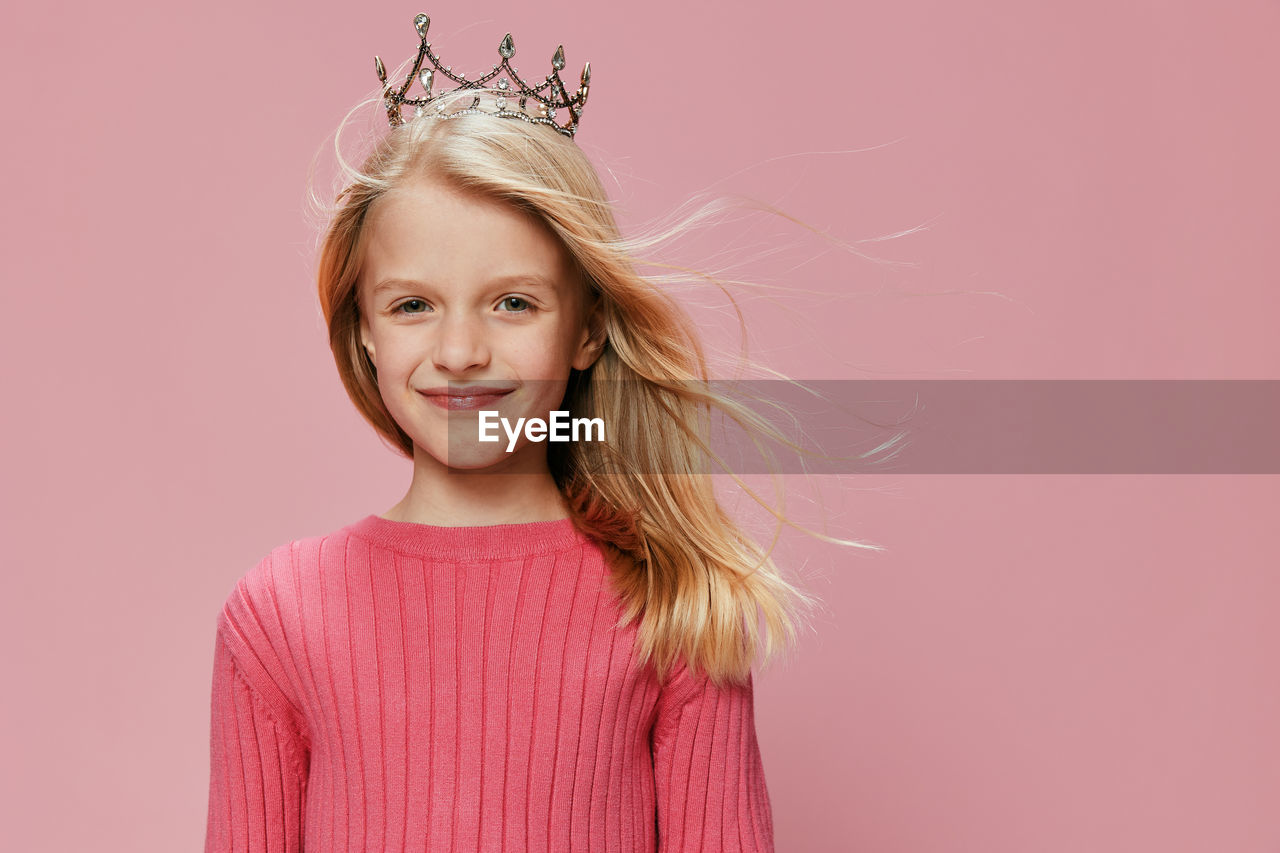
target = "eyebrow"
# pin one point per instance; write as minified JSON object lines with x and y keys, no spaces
{"x":528,"y":279}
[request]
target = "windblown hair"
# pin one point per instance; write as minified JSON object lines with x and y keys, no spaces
{"x":699,"y":585}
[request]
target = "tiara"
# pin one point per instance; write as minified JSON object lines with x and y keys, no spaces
{"x":543,"y":99}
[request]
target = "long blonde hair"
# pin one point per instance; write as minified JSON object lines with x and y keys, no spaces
{"x":698,"y":583}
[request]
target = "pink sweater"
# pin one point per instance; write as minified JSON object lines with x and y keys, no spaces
{"x":400,"y":686}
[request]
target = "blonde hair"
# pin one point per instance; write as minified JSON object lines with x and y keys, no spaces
{"x":699,"y":585}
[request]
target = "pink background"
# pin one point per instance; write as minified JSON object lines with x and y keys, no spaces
{"x":1035,"y":664}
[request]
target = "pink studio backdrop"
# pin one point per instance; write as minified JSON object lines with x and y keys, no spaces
{"x":1035,"y":663}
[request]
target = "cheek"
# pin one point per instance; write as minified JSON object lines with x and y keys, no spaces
{"x":545,"y":355}
{"x":396,"y":367}
{"x":396,"y":349}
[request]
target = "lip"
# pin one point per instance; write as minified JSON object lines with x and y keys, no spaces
{"x":465,"y":396}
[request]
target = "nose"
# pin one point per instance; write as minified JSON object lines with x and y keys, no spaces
{"x":460,"y":344}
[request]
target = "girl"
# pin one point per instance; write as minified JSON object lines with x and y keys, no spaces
{"x":542,"y":646}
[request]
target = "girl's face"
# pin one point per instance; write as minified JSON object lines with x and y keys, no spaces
{"x":461,"y":289}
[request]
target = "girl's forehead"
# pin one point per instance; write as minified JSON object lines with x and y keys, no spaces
{"x":427,"y":219}
{"x":439,"y":237}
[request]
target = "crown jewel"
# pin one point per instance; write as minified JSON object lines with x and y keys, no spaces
{"x":537,"y":104}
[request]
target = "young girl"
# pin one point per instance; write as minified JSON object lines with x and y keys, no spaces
{"x":544,"y":645}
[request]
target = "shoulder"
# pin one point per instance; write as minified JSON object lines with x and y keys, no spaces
{"x":686,"y":683}
{"x":265,"y":597}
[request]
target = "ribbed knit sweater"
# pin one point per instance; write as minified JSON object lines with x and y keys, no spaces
{"x":402,"y":686}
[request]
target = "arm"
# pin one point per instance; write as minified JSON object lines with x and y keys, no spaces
{"x":257,"y":768}
{"x":708,"y":774}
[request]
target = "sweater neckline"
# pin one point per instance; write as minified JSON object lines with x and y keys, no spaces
{"x":471,"y":542}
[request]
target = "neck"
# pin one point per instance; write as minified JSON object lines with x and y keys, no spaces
{"x":454,"y":497}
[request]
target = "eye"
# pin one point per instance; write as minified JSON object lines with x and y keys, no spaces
{"x":399,"y":308}
{"x":516,"y":304}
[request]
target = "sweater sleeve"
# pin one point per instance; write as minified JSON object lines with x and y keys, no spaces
{"x":258,"y":752}
{"x":257,"y":781}
{"x":708,"y":774}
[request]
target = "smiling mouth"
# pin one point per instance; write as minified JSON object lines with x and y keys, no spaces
{"x":455,"y":400}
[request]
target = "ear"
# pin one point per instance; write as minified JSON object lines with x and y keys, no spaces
{"x":591,"y":342}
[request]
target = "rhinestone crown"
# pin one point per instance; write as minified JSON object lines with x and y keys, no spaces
{"x":537,"y":104}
